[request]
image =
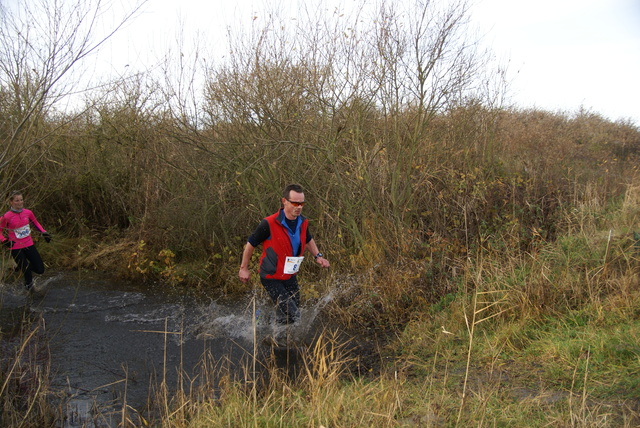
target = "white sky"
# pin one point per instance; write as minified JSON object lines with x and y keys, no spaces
{"x":568,"y":53}
{"x":563,"y":54}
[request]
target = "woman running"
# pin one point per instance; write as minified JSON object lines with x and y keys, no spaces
{"x":16,"y":224}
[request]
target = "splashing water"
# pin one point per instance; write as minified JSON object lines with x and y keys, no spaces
{"x":217,"y":321}
{"x":18,"y":289}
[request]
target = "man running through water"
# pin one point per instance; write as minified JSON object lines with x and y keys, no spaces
{"x":284,"y":237}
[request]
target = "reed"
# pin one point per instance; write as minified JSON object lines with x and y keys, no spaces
{"x":25,"y":377}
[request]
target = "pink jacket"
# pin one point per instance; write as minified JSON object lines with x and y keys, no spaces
{"x":17,"y":226}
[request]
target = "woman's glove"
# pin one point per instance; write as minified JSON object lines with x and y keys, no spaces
{"x":7,"y":243}
{"x":46,"y":237}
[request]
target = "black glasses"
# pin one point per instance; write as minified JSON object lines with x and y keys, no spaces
{"x":296,"y":204}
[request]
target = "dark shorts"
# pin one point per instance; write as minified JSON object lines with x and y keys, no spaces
{"x":286,"y":295}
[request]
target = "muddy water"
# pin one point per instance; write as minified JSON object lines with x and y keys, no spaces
{"x":113,"y":342}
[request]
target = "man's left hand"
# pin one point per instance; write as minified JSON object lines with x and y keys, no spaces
{"x":322,"y":262}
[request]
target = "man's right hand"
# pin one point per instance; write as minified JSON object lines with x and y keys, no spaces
{"x":244,"y":274}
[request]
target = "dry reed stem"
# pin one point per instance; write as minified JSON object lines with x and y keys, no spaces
{"x":17,"y":359}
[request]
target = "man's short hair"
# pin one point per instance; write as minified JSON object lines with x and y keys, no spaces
{"x":287,"y":190}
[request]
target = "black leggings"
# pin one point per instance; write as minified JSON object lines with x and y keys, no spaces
{"x":28,"y":260}
{"x":286,"y":295}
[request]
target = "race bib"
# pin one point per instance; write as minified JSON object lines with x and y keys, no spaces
{"x":292,"y":265}
{"x":22,"y":232}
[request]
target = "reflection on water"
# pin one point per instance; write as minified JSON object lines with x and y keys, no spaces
{"x":110,"y":340}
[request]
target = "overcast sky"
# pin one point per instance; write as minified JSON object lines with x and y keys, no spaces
{"x":568,"y":53}
{"x":563,"y":54}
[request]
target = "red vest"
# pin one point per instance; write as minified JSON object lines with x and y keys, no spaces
{"x":277,"y":247}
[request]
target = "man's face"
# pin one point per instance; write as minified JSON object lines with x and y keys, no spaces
{"x":293,"y":205}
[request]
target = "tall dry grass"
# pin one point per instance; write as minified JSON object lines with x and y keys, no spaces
{"x":128,"y":187}
{"x":432,"y":169}
{"x":26,"y":396}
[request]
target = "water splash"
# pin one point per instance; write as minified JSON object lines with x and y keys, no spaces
{"x":41,"y":285}
{"x":218,"y":321}
{"x":17,"y":289}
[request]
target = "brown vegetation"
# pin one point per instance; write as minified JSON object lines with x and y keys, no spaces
{"x":403,"y":184}
{"x":432,"y":202}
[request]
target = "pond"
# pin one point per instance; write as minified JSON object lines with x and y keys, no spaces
{"x":113,"y":343}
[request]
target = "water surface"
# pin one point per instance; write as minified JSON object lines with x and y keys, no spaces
{"x":114,"y":342}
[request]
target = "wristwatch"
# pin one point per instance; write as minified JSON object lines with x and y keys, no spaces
{"x":318,"y":255}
